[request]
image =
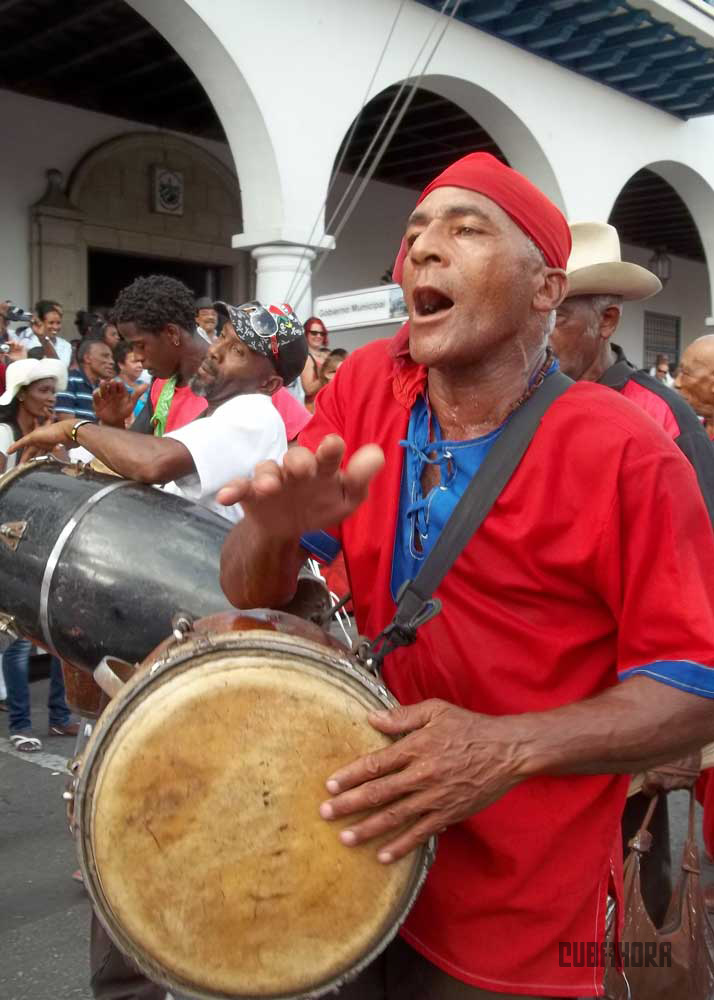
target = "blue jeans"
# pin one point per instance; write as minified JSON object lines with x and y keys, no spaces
{"x":15,"y":668}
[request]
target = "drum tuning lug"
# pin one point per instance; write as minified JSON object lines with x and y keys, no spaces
{"x":181,"y":625}
{"x":8,"y":625}
{"x":11,"y":532}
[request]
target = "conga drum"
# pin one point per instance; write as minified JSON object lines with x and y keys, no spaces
{"x":93,"y":565}
{"x":197,"y":823}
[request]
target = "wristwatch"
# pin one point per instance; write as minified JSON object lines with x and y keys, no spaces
{"x":76,"y":426}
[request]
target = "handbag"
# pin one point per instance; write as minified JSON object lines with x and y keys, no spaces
{"x":676,"y":961}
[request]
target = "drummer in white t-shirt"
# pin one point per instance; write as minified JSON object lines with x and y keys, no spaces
{"x":259,"y":349}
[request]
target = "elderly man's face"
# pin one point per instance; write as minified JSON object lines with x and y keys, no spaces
{"x":470,"y":278}
{"x":695,"y":379}
{"x":575,"y":338}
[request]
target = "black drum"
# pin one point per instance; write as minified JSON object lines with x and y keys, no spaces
{"x":92,"y":565}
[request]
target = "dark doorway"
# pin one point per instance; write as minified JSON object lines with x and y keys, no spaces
{"x":110,"y":272}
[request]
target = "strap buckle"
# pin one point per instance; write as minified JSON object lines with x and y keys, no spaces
{"x":400,"y":631}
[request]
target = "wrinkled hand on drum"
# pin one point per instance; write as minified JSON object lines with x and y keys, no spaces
{"x":451,"y":764}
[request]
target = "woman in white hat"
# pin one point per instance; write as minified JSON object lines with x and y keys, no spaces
{"x":28,"y":402}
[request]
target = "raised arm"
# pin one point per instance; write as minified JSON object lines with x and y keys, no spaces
{"x":309,"y":492}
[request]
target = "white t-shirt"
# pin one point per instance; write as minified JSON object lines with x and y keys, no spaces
{"x":63,"y":348}
{"x":6,"y":439}
{"x":240,"y":433}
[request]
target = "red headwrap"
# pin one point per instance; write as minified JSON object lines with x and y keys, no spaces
{"x":529,"y":208}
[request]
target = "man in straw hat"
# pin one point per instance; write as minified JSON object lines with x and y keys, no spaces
{"x":599,"y":281}
{"x":564,"y":654}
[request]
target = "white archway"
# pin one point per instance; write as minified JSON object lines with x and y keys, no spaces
{"x":698,"y":195}
{"x":508,"y":131}
{"x":235,"y":104}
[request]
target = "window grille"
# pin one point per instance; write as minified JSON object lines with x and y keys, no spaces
{"x":661,"y":337}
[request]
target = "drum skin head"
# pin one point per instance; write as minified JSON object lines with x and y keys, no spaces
{"x":216,"y":872}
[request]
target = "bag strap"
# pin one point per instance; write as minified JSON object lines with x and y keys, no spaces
{"x":415,"y":603}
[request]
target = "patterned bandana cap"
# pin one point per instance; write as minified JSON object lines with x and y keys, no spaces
{"x":274,"y":331}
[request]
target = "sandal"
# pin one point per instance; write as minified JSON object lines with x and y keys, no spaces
{"x":25,"y":744}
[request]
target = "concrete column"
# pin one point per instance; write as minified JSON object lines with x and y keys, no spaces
{"x":283,"y":274}
{"x":284,"y":268}
{"x":57,"y":249}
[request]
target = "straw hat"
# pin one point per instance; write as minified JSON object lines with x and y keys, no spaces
{"x":22,"y":373}
{"x":595,"y":266}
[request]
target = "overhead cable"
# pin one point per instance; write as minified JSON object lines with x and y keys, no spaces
{"x":382,"y":149}
{"x":388,"y":138}
{"x":345,"y":147}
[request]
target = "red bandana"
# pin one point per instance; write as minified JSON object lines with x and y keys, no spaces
{"x":529,"y":208}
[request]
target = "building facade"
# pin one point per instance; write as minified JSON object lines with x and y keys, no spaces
{"x":581,"y":97}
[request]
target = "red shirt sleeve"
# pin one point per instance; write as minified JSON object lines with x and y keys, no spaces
{"x":656,"y":557}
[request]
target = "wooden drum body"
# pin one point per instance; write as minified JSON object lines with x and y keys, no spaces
{"x":197,"y":814}
{"x":93,"y":565}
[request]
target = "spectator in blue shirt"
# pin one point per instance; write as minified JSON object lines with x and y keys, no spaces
{"x":95,"y":364}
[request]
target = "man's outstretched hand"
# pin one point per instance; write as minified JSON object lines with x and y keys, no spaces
{"x":113,"y":403}
{"x":309,"y":491}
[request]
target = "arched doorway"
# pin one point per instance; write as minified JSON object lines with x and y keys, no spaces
{"x":665,"y":209}
{"x":440,"y":125}
{"x":113,"y":225}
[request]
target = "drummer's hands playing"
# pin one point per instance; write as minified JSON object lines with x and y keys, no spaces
{"x":451,"y":764}
{"x":113,"y":403}
{"x":43,"y":439}
{"x":309,"y":491}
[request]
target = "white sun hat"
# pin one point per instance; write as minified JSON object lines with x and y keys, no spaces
{"x":22,"y":373}
{"x":595,"y":265}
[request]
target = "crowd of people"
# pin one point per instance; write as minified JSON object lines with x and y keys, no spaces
{"x":574,"y":640}
{"x":109,"y":383}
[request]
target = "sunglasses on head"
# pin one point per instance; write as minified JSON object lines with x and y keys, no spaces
{"x":263,"y":323}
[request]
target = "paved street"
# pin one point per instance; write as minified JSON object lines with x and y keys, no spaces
{"x":44,"y":917}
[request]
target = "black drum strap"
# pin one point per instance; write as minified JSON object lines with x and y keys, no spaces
{"x":415,"y":601}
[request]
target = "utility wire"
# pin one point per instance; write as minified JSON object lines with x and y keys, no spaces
{"x":345,"y":148}
{"x":296,"y":279}
{"x":388,"y":138}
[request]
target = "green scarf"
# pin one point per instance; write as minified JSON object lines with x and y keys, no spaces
{"x":163,"y":405}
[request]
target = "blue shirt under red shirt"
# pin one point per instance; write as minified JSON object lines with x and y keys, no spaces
{"x":592,"y":566}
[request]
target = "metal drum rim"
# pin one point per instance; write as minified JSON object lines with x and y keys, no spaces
{"x":25,"y":467}
{"x":198,"y":645}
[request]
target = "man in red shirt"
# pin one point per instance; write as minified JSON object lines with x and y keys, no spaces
{"x":599,"y":281}
{"x":574,"y":642}
{"x":587,"y":320}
